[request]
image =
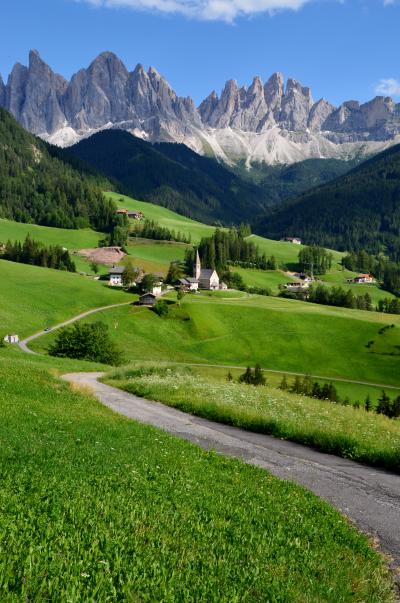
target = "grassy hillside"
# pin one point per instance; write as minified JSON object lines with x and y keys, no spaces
{"x":359,"y":210}
{"x":319,"y":423}
{"x":163,"y":216}
{"x":35,"y":298}
{"x":100,"y":508}
{"x":280,"y":334}
{"x":71,"y":239}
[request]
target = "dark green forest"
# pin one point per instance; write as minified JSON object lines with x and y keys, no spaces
{"x":173,"y":176}
{"x":360,"y":210}
{"x":38,"y":186}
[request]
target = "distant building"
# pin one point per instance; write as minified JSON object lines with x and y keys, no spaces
{"x":362,"y":278}
{"x":134,"y":215}
{"x":223,"y":286}
{"x":297,"y":286}
{"x":11,"y":339}
{"x":147,"y":299}
{"x":116,"y":276}
{"x":294,"y":240}
{"x":206,"y":277}
{"x":188,"y":284}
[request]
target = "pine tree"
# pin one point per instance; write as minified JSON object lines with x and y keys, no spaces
{"x":284,"y":384}
{"x":384,"y":405}
{"x":297,"y":387}
{"x":258,"y":378}
{"x":247,"y":376}
{"x":229,"y":377}
{"x":368,"y":403}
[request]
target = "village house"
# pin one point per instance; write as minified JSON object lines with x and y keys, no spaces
{"x":294,"y":240}
{"x":297,"y":286}
{"x":115,"y":276}
{"x":188,"y":284}
{"x":134,"y":215}
{"x":147,"y":299}
{"x":362,"y":278}
{"x":11,"y":339}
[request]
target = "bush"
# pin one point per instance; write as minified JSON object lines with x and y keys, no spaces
{"x":161,"y":308}
{"x":86,"y":342}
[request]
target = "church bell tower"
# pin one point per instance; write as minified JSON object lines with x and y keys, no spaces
{"x":197,"y":266}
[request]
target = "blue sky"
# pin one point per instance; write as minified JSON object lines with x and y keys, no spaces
{"x":341,"y":49}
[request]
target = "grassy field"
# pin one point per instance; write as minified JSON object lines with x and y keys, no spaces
{"x":155,"y":256}
{"x":94,"y":507}
{"x":324,"y":425}
{"x":164,"y":217}
{"x":280,"y":334}
{"x":33,"y":298}
{"x":71,"y":239}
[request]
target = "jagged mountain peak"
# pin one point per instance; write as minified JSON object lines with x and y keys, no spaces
{"x":275,"y":121}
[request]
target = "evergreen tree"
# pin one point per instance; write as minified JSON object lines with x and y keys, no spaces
{"x":229,"y":377}
{"x":384,"y":405}
{"x":247,"y":376}
{"x":368,"y":403}
{"x":258,"y":378}
{"x":284,"y":384}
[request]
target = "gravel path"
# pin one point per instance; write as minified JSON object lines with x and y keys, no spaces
{"x":369,"y":497}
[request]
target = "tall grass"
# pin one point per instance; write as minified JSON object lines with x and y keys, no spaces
{"x":344,"y":431}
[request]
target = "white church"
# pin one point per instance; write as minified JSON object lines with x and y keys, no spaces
{"x":207,"y":278}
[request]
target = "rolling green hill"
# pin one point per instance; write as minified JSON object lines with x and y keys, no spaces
{"x":173,"y":176}
{"x":360,"y":210}
{"x":280,"y":334}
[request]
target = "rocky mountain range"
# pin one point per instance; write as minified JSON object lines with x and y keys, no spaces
{"x":272,"y":122}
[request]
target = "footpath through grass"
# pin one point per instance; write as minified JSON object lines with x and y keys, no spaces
{"x":94,"y":507}
{"x":344,"y":431}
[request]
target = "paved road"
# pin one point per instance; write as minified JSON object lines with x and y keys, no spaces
{"x":23,"y":344}
{"x":370,"y":497}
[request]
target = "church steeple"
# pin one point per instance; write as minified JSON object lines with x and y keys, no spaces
{"x":197,"y":266}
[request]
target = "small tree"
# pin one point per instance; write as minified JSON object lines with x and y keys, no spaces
{"x":174,"y":273}
{"x":284,"y":384}
{"x":180,"y":295}
{"x":396,"y":408}
{"x":229,"y":377}
{"x":2,"y":342}
{"x":258,"y":377}
{"x":368,"y":403}
{"x":247,"y":376}
{"x":316,"y":390}
{"x":148,"y":282}
{"x":297,"y":386}
{"x":86,"y":342}
{"x":129,"y":276}
{"x":94,"y":267}
{"x":384,"y":405}
{"x":161,"y":308}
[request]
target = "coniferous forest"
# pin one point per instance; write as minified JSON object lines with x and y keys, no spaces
{"x":37,"y":186}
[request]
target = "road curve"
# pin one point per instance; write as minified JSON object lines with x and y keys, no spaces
{"x":23,"y":344}
{"x":369,"y":497}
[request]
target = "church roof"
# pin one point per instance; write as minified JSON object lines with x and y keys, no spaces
{"x":206,"y":272}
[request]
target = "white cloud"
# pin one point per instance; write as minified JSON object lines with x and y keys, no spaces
{"x":210,"y":10}
{"x":388,"y":87}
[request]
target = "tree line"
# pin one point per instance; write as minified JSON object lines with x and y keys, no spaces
{"x":150,"y":229}
{"x":37,"y":254}
{"x":229,"y":247}
{"x":305,"y":386}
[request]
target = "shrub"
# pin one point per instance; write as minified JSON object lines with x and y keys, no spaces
{"x":161,"y":308}
{"x":86,"y":342}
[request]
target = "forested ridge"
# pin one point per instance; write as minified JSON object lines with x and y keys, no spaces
{"x":39,"y":185}
{"x":172,"y":175}
{"x":360,"y":210}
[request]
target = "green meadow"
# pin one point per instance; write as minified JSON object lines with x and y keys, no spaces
{"x":164,"y":217}
{"x":94,"y":507}
{"x":71,"y":239}
{"x":280,"y":334}
{"x":33,"y":298}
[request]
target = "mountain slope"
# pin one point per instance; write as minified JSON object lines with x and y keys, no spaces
{"x":272,"y":122}
{"x":360,"y":210}
{"x":173,"y":176}
{"x":36,"y":185}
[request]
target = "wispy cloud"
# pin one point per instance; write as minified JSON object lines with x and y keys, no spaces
{"x":388,"y":87}
{"x":209,"y":10}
